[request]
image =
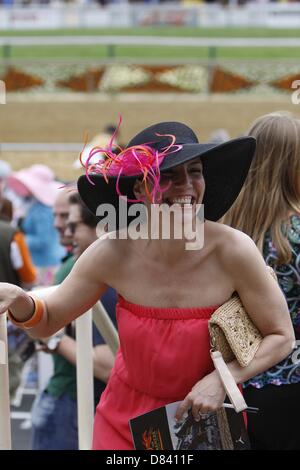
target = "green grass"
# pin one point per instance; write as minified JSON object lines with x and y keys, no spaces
{"x":154,"y":52}
{"x":149,"y":52}
{"x":163,"y":31}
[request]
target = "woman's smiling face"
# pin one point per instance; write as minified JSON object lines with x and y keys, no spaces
{"x":185,"y":184}
{"x":183,"y":189}
{"x":182,"y":184}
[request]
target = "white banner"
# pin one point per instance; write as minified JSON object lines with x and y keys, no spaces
{"x":129,"y":15}
{"x":31,"y":18}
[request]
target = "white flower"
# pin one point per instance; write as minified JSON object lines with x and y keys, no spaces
{"x":189,"y":78}
{"x":117,"y":77}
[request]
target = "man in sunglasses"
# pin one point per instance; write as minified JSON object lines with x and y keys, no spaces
{"x":80,"y":226}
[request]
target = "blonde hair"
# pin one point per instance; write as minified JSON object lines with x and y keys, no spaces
{"x":271,"y":193}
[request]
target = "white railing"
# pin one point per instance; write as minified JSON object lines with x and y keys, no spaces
{"x":84,"y":370}
{"x":146,"y":41}
{"x":5,"y":428}
{"x":40,"y":147}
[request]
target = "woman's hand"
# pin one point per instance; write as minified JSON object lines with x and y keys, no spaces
{"x":16,"y":300}
{"x":9,"y":294}
{"x":207,"y":395}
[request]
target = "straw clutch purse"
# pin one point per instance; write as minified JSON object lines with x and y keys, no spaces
{"x":232,"y":331}
{"x":233,"y":336}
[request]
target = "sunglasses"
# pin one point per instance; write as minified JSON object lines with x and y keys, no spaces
{"x":71,"y":226}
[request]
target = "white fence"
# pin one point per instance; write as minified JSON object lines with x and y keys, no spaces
{"x":122,"y":14}
{"x":146,"y":41}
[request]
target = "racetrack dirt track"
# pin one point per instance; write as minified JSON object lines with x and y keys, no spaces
{"x":59,"y":120}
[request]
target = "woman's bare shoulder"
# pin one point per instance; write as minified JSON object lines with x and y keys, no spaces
{"x":104,"y":256}
{"x":110,"y":247}
{"x":238,"y":255}
{"x":232,"y":245}
{"x":227,"y":235}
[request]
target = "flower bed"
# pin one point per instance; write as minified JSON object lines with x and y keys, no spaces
{"x":224,"y":82}
{"x":15,"y":80}
{"x":285,"y":83}
{"x":230,"y":78}
{"x":87,"y":81}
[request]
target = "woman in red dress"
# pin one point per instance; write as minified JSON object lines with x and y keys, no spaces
{"x":168,"y":286}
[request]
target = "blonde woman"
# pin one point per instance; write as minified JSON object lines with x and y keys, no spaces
{"x":268,"y":210}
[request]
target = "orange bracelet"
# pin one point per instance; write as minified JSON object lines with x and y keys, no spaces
{"x":39,"y":309}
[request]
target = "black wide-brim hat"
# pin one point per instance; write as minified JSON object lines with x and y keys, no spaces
{"x":225,"y":167}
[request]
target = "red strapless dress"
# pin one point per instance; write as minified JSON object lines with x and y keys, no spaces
{"x":163,"y":353}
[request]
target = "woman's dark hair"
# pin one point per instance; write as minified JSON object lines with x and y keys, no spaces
{"x":88,"y":218}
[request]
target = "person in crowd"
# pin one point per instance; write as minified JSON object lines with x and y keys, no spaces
{"x":167,"y":290}
{"x":37,"y":185}
{"x":15,"y":267}
{"x":101,"y":139}
{"x":55,"y":408}
{"x":61,"y":212}
{"x":218,"y":136}
{"x":6,"y":207}
{"x":268,"y":210}
{"x":16,"y":264}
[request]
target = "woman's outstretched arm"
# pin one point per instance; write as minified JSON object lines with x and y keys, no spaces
{"x":77,"y":294}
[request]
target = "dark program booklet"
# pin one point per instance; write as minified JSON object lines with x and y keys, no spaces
{"x":158,"y":430}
